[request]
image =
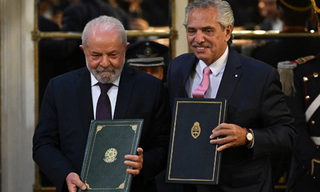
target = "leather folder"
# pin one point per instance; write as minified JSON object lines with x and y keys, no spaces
{"x":192,"y":159}
{"x":108,"y":142}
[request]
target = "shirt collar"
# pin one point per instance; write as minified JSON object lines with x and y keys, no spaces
{"x":218,"y":66}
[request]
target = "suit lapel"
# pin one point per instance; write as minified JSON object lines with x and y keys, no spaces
{"x":231,"y":75}
{"x":83,"y":87}
{"x":185,"y":73}
{"x":126,"y":88}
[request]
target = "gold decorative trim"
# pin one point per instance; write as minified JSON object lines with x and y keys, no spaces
{"x":315,"y":7}
{"x":261,"y":34}
{"x":313,"y":161}
{"x":134,"y":128}
{"x":300,"y":9}
{"x":99,"y":128}
{"x":121,"y":186}
{"x":173,"y":34}
{"x":88,"y":186}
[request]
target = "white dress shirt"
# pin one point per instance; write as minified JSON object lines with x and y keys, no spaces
{"x":112,"y":93}
{"x":217,"y":69}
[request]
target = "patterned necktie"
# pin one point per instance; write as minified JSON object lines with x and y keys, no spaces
{"x":103,"y":105}
{"x":203,"y":86}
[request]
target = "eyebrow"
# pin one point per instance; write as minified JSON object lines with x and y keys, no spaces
{"x":202,"y":28}
{"x":96,"y":52}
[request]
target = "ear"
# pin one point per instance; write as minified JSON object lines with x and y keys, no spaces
{"x":127,"y":45}
{"x":81,"y":47}
{"x":228,"y":31}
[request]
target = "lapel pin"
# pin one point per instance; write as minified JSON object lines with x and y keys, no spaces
{"x":236,"y":75}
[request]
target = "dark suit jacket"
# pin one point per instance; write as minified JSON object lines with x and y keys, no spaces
{"x":255,"y":100}
{"x":305,"y":149}
{"x":60,"y":137}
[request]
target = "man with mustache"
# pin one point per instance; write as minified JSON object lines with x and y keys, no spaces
{"x":70,"y":103}
{"x":258,"y":121}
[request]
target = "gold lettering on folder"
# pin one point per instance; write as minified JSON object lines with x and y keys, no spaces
{"x":195,"y":130}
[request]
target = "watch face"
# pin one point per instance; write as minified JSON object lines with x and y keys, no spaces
{"x":249,"y":136}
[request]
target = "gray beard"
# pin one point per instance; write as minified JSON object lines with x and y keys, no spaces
{"x":108,"y":78}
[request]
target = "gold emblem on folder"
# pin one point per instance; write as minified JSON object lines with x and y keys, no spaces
{"x":195,"y":130}
{"x":110,"y":155}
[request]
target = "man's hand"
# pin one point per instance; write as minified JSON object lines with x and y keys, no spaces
{"x":73,"y":181}
{"x":228,"y":135}
{"x":135,"y":161}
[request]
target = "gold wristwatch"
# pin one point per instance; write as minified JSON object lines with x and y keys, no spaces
{"x":249,"y":136}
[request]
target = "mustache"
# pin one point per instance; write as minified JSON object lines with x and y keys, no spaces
{"x":205,"y":44}
{"x":101,"y":69}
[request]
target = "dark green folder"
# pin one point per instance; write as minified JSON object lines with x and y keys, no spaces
{"x":103,"y":168}
{"x":192,"y":159}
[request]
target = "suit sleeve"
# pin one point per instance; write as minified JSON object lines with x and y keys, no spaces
{"x":278,"y":131}
{"x":46,"y":142}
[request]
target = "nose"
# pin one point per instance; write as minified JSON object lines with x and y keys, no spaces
{"x":199,"y":38}
{"x":105,"y":62}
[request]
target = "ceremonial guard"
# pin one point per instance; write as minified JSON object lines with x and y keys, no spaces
{"x":304,"y":104}
{"x":301,"y":82}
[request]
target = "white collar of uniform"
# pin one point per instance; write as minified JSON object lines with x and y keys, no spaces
{"x":217,"y":66}
{"x":94,"y":81}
